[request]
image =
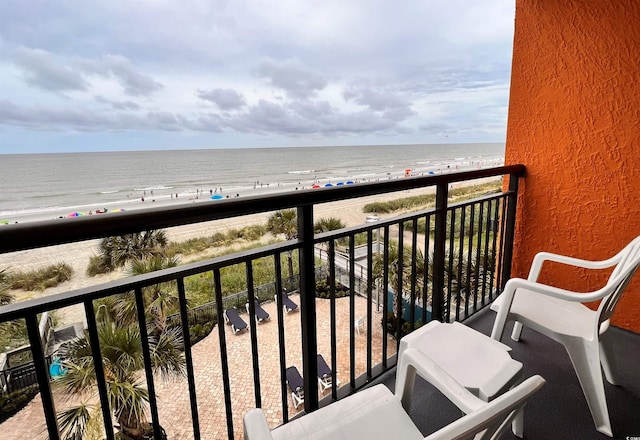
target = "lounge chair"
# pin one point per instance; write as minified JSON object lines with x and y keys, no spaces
{"x":294,"y":381}
{"x":287,"y":304}
{"x":232,"y":317}
{"x":261,"y":314}
{"x":324,"y":375}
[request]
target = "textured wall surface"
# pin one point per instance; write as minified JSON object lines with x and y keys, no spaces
{"x":574,"y":121}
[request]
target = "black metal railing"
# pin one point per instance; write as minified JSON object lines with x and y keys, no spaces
{"x":466,"y":249}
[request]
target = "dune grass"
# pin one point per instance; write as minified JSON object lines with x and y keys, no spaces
{"x":219,"y":239}
{"x":429,"y":200}
{"x":39,"y":279}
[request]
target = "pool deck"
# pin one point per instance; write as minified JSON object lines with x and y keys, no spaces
{"x":173,"y":398}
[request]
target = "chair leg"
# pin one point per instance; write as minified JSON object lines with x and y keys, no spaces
{"x":517,"y":331}
{"x":404,"y":384}
{"x":608,"y":359}
{"x":585,"y":358}
{"x":499,"y":324}
{"x":517,"y":425}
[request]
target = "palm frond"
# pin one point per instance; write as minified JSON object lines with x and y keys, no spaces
{"x":75,"y":422}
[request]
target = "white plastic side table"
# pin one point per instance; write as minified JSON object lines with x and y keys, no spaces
{"x":480,"y":364}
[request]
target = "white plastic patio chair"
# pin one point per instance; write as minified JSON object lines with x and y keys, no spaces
{"x":561,"y":315}
{"x":376,"y":413}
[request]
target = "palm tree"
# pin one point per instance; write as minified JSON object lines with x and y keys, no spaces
{"x":467,"y":273}
{"x":405,"y":282}
{"x":117,"y":251}
{"x":160,"y":299}
{"x":328,"y":224}
{"x":285,"y":222}
{"x":122,"y":357}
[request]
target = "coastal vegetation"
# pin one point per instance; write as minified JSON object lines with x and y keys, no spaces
{"x":39,"y":279}
{"x":285,"y":222}
{"x":122,"y":359}
{"x":218,"y":239}
{"x":114,"y":252}
{"x":13,"y":334}
{"x":5,"y":296}
{"x":401,"y":280}
{"x":429,"y":200}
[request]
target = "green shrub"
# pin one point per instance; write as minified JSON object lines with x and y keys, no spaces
{"x":198,"y":332}
{"x":40,"y":279}
{"x":15,"y":401}
{"x":405,"y":326}
{"x":323,"y":289}
{"x":97,"y":265}
{"x":190,"y":246}
{"x":253,"y":233}
{"x":429,"y":200}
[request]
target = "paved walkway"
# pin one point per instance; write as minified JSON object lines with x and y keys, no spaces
{"x":173,"y":397}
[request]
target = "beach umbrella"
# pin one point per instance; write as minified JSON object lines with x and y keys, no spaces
{"x":431,"y":172}
{"x":75,"y":214}
{"x":328,"y":184}
{"x":339,"y":183}
{"x":349,"y":182}
{"x":316,"y":186}
{"x":117,"y":210}
{"x":216,"y":197}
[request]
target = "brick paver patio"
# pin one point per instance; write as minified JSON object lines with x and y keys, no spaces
{"x":173,"y":397}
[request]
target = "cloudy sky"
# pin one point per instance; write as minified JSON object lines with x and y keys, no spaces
{"x":81,"y":75}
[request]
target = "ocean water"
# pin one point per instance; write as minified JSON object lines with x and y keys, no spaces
{"x":37,"y":183}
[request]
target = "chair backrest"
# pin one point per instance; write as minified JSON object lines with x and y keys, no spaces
{"x":323,"y":368}
{"x":493,"y":418}
{"x":618,"y":280}
{"x":294,"y":380}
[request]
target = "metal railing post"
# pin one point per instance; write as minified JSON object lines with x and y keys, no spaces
{"x":510,"y":226}
{"x":308,"y":307}
{"x":440,"y":236}
{"x":42,"y":373}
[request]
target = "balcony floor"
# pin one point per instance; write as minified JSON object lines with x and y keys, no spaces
{"x":559,"y":410}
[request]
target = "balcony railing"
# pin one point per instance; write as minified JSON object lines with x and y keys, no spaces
{"x":443,"y":263}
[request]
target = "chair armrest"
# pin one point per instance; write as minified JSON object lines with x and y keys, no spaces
{"x":543,"y":289}
{"x":414,"y":362}
{"x":487,"y":416}
{"x":255,"y":425}
{"x":556,"y":292}
{"x":541,"y":257}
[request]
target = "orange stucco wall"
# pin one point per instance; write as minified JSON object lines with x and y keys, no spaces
{"x":574,"y":121}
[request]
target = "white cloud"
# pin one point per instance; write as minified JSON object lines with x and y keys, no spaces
{"x":257,"y":71}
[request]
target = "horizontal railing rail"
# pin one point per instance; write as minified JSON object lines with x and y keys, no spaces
{"x":442,"y":263}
